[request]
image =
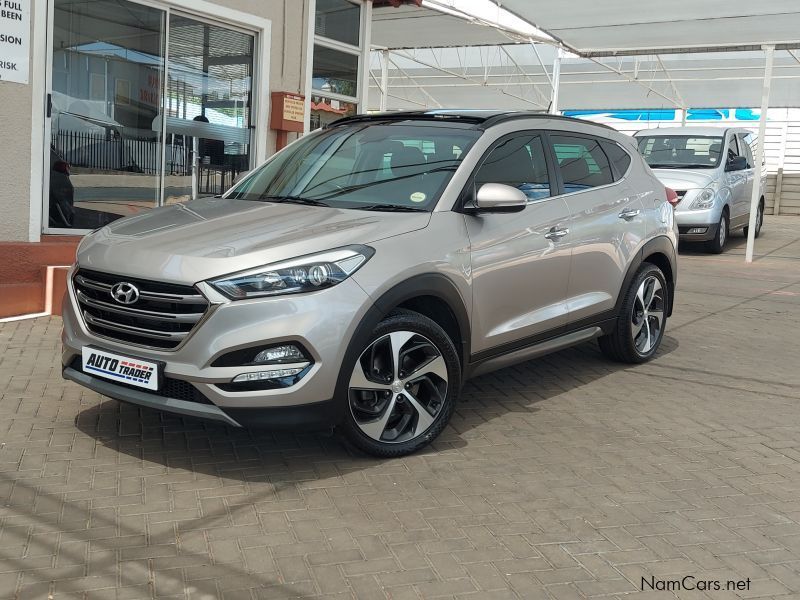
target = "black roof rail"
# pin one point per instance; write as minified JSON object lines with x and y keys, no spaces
{"x":408,"y":115}
{"x":481,"y":119}
{"x":511,"y":116}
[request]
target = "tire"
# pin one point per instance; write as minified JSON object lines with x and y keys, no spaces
{"x":717,"y":245}
{"x":389,"y":413}
{"x":759,"y":220}
{"x":633,"y":339}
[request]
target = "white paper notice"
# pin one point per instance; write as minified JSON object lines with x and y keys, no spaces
{"x":15,"y":38}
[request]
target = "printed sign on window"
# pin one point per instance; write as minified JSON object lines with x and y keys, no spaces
{"x":15,"y":33}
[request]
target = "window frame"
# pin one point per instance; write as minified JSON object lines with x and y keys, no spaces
{"x":469,"y":192}
{"x":748,"y":150}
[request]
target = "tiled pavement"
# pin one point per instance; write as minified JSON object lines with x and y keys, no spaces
{"x":566,"y":477}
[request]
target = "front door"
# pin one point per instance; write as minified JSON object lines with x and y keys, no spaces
{"x":737,"y":183}
{"x":520,"y":261}
{"x":749,"y":176}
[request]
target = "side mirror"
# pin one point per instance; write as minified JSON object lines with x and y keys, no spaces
{"x":500,"y":198}
{"x":736,"y":164}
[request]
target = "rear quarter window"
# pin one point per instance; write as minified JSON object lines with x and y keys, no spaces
{"x":618,"y":157}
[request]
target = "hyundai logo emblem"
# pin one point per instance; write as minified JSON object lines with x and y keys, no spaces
{"x":124,"y":292}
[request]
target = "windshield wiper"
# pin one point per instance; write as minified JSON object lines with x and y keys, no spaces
{"x":295,"y":200}
{"x":389,"y":208}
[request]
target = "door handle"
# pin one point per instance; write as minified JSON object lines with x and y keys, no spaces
{"x":556,"y":234}
{"x":629,"y":214}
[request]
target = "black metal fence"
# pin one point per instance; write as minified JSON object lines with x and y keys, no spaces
{"x":114,"y":152}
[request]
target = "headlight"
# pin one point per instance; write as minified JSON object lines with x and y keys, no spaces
{"x":303,"y":274}
{"x":705,"y":199}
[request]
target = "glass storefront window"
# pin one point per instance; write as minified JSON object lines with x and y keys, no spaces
{"x":334,"y":71}
{"x":208,"y":102}
{"x":338,"y":20}
{"x":325,"y":110}
{"x":105,"y":154}
{"x":121,"y":140}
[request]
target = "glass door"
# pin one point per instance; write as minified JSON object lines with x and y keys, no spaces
{"x":105,"y":146}
{"x":147,"y":107}
{"x":208,"y":101}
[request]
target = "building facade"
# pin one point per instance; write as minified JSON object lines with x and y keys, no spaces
{"x":127,"y":105}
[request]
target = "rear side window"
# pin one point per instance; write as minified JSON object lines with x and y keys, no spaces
{"x":518,"y":161}
{"x":582,"y":162}
{"x":618,"y":157}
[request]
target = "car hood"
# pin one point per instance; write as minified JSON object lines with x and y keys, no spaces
{"x":210,"y":237}
{"x":685,"y":179}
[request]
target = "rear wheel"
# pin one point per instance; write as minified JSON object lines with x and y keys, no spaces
{"x":640,"y":325}
{"x":717,"y":245}
{"x":403,"y":387}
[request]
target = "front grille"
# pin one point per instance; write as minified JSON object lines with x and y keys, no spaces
{"x":680,"y":193}
{"x":170,"y":388}
{"x":162,"y":317}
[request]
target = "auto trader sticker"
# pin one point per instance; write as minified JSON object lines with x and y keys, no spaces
{"x":132,"y":371}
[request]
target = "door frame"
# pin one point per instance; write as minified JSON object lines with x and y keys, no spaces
{"x":42,"y":85}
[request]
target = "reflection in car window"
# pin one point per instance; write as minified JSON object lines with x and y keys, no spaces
{"x":582,"y":163}
{"x":393,"y":166}
{"x":518,"y":161}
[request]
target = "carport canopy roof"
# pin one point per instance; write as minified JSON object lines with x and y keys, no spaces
{"x":606,"y":28}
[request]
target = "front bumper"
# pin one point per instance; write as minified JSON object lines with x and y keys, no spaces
{"x":322,"y":322}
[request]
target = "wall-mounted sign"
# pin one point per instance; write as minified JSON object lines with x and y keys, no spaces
{"x":287,"y":111}
{"x":15,"y":35}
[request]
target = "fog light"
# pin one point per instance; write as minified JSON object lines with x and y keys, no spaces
{"x":288,"y":353}
{"x":698,"y":230}
{"x":262,"y":375}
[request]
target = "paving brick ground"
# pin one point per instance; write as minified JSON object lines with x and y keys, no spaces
{"x":566,"y":477}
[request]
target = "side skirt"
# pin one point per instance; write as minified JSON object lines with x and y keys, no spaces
{"x":537,"y":346}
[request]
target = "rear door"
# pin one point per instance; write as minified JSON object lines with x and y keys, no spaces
{"x":520,"y":261}
{"x":606,"y":224}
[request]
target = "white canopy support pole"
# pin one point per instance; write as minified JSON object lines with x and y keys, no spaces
{"x":384,"y":79}
{"x":769,"y":51}
{"x":366,"y":47}
{"x":556,"y":82}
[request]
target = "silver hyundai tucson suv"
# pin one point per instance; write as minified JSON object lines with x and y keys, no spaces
{"x":363,"y":273}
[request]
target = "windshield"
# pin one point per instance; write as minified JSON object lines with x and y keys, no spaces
{"x":681,"y":151}
{"x":371,"y":166}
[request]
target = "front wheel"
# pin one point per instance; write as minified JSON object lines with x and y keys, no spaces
{"x":717,"y":245}
{"x":640,"y":325}
{"x":403,"y":387}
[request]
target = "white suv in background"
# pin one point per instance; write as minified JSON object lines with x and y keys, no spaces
{"x":712,"y":171}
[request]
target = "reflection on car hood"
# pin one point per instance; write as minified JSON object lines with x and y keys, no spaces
{"x":685,"y":179}
{"x":187,"y":243}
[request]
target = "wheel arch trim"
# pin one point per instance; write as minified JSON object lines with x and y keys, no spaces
{"x":658,"y":246}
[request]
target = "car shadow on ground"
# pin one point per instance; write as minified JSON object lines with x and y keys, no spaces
{"x":286,"y":457}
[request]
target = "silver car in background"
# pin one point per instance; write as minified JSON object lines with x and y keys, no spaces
{"x":363,"y":273}
{"x":713,"y":172}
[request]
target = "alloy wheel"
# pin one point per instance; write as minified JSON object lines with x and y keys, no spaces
{"x":398,"y":387}
{"x":648,"y":315}
{"x":723,"y":230}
